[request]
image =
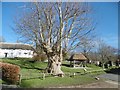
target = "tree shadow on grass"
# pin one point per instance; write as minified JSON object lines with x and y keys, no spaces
{"x":67,"y":65}
{"x":32,"y":78}
{"x":42,"y":69}
{"x":35,"y":68}
{"x":28,"y":65}
{"x":114,"y":71}
{"x":40,"y":77}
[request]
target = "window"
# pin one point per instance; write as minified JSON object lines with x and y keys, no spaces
{"x":25,"y":53}
{"x":19,"y":53}
{"x":29,"y":53}
{"x":6,"y":54}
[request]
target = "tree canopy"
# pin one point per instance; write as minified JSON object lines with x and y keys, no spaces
{"x":53,"y":27}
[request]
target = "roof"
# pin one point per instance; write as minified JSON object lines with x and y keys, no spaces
{"x":15,"y":46}
{"x":79,"y":56}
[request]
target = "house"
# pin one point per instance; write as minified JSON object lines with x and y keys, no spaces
{"x":12,"y":50}
{"x":78,"y":60}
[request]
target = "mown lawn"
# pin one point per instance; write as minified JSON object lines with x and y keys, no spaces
{"x":57,"y":81}
{"x":31,"y":74}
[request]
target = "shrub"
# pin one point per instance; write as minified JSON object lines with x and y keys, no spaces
{"x":41,"y":57}
{"x":10,"y":73}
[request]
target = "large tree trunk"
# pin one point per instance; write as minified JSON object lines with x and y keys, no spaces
{"x":54,"y":65}
{"x":54,"y":61}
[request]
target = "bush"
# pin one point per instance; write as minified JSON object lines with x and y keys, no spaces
{"x":41,"y":57}
{"x":10,"y":73}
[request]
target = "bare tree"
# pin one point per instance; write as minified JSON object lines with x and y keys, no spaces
{"x":106,"y":52}
{"x":54,"y":26}
{"x":87,"y":44}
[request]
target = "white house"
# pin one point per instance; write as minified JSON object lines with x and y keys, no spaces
{"x":12,"y":50}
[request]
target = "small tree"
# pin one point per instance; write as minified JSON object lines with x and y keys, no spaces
{"x":87,"y":44}
{"x":107,"y":53}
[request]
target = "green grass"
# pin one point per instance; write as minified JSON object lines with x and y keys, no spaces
{"x":71,"y":70}
{"x":57,"y":81}
{"x":25,"y":63}
{"x":0,"y":81}
{"x":28,"y":69}
{"x":32,"y":74}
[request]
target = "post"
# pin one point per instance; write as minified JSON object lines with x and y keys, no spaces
{"x":70,"y":63}
{"x":73,"y":63}
{"x":19,"y":78}
{"x":74,"y":74}
{"x":43,"y":76}
{"x":85,"y":71}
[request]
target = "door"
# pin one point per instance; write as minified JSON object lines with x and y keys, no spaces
{"x":6,"y":55}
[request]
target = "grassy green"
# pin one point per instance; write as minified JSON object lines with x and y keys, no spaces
{"x":0,"y":81}
{"x":57,"y":81}
{"x":31,"y":74}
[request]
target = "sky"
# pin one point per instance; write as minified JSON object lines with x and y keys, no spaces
{"x":1,"y":18}
{"x":104,"y":13}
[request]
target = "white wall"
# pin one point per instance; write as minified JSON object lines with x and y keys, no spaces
{"x":16,"y":53}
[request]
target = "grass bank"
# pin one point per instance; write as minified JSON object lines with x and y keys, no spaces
{"x":32,"y":74}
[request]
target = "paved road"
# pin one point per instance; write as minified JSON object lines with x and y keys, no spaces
{"x":113,"y":77}
{"x":92,"y":85}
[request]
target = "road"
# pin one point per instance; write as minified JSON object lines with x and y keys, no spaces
{"x":113,"y":79}
{"x":109,"y":76}
{"x":99,"y":84}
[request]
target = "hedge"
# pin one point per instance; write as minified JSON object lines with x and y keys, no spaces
{"x":10,"y":72}
{"x":41,"y":57}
